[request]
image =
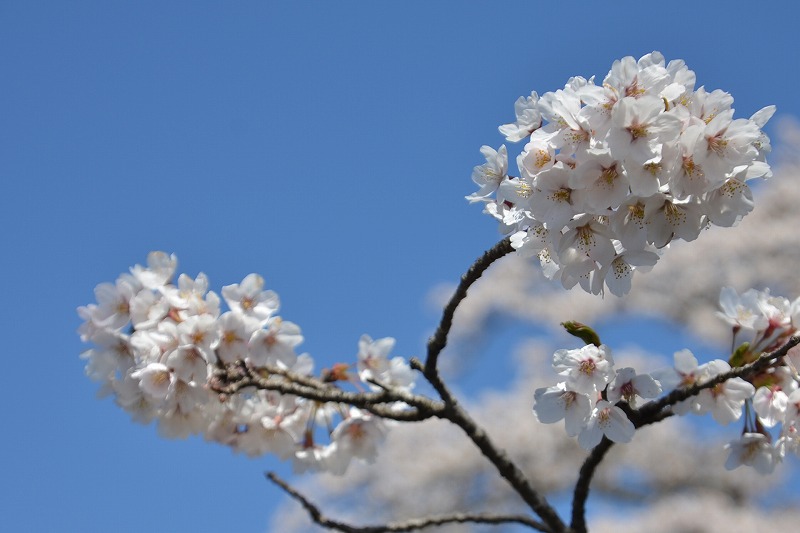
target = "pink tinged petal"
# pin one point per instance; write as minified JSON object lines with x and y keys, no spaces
{"x":793,"y":408}
{"x":606,"y":420}
{"x":639,"y":123}
{"x":552,"y":201}
{"x":373,"y":357}
{"x":587,"y":369}
{"x":147,"y":308}
{"x":188,"y":364}
{"x":685,"y":362}
{"x":771,"y":405}
{"x":622,"y":386}
{"x":627,"y":385}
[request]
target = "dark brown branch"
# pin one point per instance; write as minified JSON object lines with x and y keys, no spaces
{"x":408,"y":525}
{"x":582,"y":486}
{"x":653,"y":412}
{"x":648,"y":412}
{"x":236,"y":378}
{"x":497,"y":456}
{"x":457,"y":415}
{"x":439,"y":339}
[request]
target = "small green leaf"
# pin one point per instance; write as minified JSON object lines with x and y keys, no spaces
{"x":740,"y":355}
{"x":582,"y":331}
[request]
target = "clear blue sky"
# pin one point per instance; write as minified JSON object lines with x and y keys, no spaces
{"x":326,"y":145}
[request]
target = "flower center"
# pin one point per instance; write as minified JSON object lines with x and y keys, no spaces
{"x":637,"y":130}
{"x":587,"y":367}
{"x":609,"y":175}
{"x":561,"y":195}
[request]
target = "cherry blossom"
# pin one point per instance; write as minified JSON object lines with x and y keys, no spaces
{"x":491,"y":174}
{"x":725,"y":400}
{"x":249,"y":298}
{"x":163,"y":367}
{"x":627,"y":385}
{"x":770,"y":403}
{"x":645,"y":151}
{"x":587,"y":369}
{"x":752,"y":449}
{"x":606,"y":420}
{"x":556,"y":403}
{"x":528,"y":118}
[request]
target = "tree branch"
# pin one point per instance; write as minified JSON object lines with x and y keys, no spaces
{"x":234,"y":378}
{"x":650,"y":412}
{"x":582,"y":486}
{"x":407,"y":525}
{"x":653,"y":412}
{"x":497,"y":456}
{"x":439,"y":339}
{"x":457,"y":415}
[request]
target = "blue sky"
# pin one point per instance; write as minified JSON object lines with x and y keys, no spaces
{"x":327,"y":146}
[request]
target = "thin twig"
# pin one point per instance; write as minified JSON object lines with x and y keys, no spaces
{"x":497,"y":456}
{"x":407,"y":525}
{"x":582,"y":486}
{"x":457,"y":415}
{"x":378,"y":403}
{"x":643,"y":416}
{"x":439,"y":339}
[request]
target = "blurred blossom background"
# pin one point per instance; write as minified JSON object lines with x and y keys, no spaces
{"x":328,"y":147}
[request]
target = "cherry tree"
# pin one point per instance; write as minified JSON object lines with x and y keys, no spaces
{"x":611,"y":176}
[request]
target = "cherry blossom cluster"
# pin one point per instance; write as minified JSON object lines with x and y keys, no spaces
{"x":760,"y":323}
{"x":620,"y":170}
{"x":587,"y":399}
{"x":158,"y":346}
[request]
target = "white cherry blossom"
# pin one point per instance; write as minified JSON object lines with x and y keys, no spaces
{"x":529,"y":118}
{"x":609,"y":421}
{"x":274,"y":343}
{"x":556,"y":403}
{"x":725,"y":400}
{"x":156,"y":381}
{"x":587,"y":369}
{"x":165,"y":369}
{"x":159,"y":270}
{"x":770,"y":403}
{"x":627,"y":385}
{"x":359,"y":435}
{"x":645,"y":137}
{"x":752,"y":449}
{"x":113,"y":302}
{"x":491,"y":174}
{"x":742,"y":311}
{"x":639,"y":126}
{"x":249,"y":298}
